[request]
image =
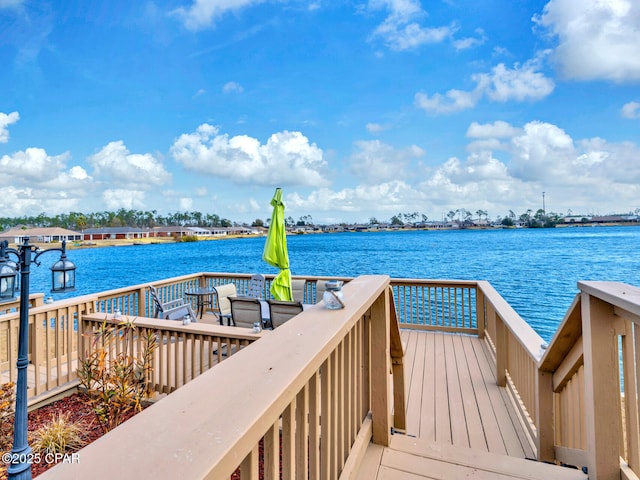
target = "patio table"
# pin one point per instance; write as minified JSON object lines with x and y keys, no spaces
{"x":204,"y":298}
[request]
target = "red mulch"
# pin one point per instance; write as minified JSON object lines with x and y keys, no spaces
{"x":78,"y":410}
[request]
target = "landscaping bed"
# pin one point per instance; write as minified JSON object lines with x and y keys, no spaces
{"x":78,"y":410}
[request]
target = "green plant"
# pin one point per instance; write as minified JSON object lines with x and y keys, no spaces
{"x":7,"y":402}
{"x":61,"y":435}
{"x":116,"y":372}
{"x":187,"y":238}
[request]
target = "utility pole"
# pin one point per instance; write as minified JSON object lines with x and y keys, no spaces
{"x":544,"y":210}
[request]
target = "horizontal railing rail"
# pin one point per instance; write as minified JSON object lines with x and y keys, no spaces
{"x":304,"y":400}
{"x":35,"y":300}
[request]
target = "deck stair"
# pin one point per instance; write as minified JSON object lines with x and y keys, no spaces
{"x":409,"y":458}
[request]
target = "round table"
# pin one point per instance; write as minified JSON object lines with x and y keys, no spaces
{"x":204,"y":298}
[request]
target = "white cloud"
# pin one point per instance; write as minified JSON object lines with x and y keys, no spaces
{"x":497,"y":129}
{"x":481,"y":181}
{"x":377,"y":127}
{"x":519,"y":83}
{"x":502,"y":84}
{"x":31,"y":166}
{"x":232,"y":87}
{"x":117,"y":198}
{"x":631,"y":110}
{"x":387,"y":197}
{"x":488,"y":136}
{"x":203,"y":13}
{"x":116,"y":165}
{"x":543,"y":152}
{"x":287,"y":158}
{"x":597,"y":39}
{"x":5,"y":121}
{"x":375,"y":161}
{"x":575,"y":174}
{"x":401,"y":30}
{"x":452,"y":101}
{"x":31,"y":181}
{"x":470,"y":42}
{"x":18,"y":201}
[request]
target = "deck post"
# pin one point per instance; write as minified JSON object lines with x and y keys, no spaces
{"x":480,"y":313}
{"x":544,"y":417}
{"x":501,"y":351}
{"x":631,"y":351}
{"x":397,"y":354}
{"x":602,"y":389}
{"x":142,"y":304}
{"x":380,"y":370}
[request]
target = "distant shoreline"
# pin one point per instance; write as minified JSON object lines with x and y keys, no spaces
{"x":129,"y":242}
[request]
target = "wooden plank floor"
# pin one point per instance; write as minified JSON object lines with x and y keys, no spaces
{"x":459,"y":422}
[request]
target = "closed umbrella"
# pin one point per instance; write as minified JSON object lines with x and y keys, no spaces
{"x":275,"y":250}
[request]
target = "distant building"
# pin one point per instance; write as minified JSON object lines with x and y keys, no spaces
{"x":172,"y":232}
{"x":40,"y":235}
{"x":115,"y":233}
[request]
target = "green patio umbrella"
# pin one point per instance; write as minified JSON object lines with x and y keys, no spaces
{"x":275,"y":250}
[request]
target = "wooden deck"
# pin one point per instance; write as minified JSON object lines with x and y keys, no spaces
{"x":460,"y":424}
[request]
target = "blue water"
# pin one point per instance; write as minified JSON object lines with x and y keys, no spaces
{"x":535,"y":270}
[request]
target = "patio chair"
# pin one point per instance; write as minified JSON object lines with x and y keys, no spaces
{"x":222,"y":306}
{"x":280,"y":312}
{"x":245,"y":311}
{"x":173,"y":310}
{"x":256,"y":286}
{"x":297,"y":289}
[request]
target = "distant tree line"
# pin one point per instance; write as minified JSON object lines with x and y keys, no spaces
{"x":462,"y":216}
{"x":120,"y":218}
{"x":151,"y":218}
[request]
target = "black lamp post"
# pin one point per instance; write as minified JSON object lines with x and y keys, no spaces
{"x":63,"y":274}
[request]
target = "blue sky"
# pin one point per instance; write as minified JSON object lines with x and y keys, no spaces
{"x":356,"y":109}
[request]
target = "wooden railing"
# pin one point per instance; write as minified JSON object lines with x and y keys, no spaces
{"x":183,"y":351}
{"x":53,"y":343}
{"x":516,"y":349}
{"x":440,"y":305}
{"x":304,"y":401}
{"x":35,"y":300}
{"x":589,"y":378}
{"x":135,"y":300}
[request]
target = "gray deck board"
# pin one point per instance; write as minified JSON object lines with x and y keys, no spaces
{"x":459,"y":422}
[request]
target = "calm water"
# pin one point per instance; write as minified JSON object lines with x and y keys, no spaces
{"x":536,"y":271}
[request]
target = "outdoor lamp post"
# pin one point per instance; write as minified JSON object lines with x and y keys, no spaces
{"x":63,"y":277}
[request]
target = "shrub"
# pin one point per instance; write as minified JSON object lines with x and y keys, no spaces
{"x":187,"y":238}
{"x":116,"y":373}
{"x":7,"y":404}
{"x":61,"y":435}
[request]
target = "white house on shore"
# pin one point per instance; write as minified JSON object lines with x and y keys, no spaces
{"x":40,"y":235}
